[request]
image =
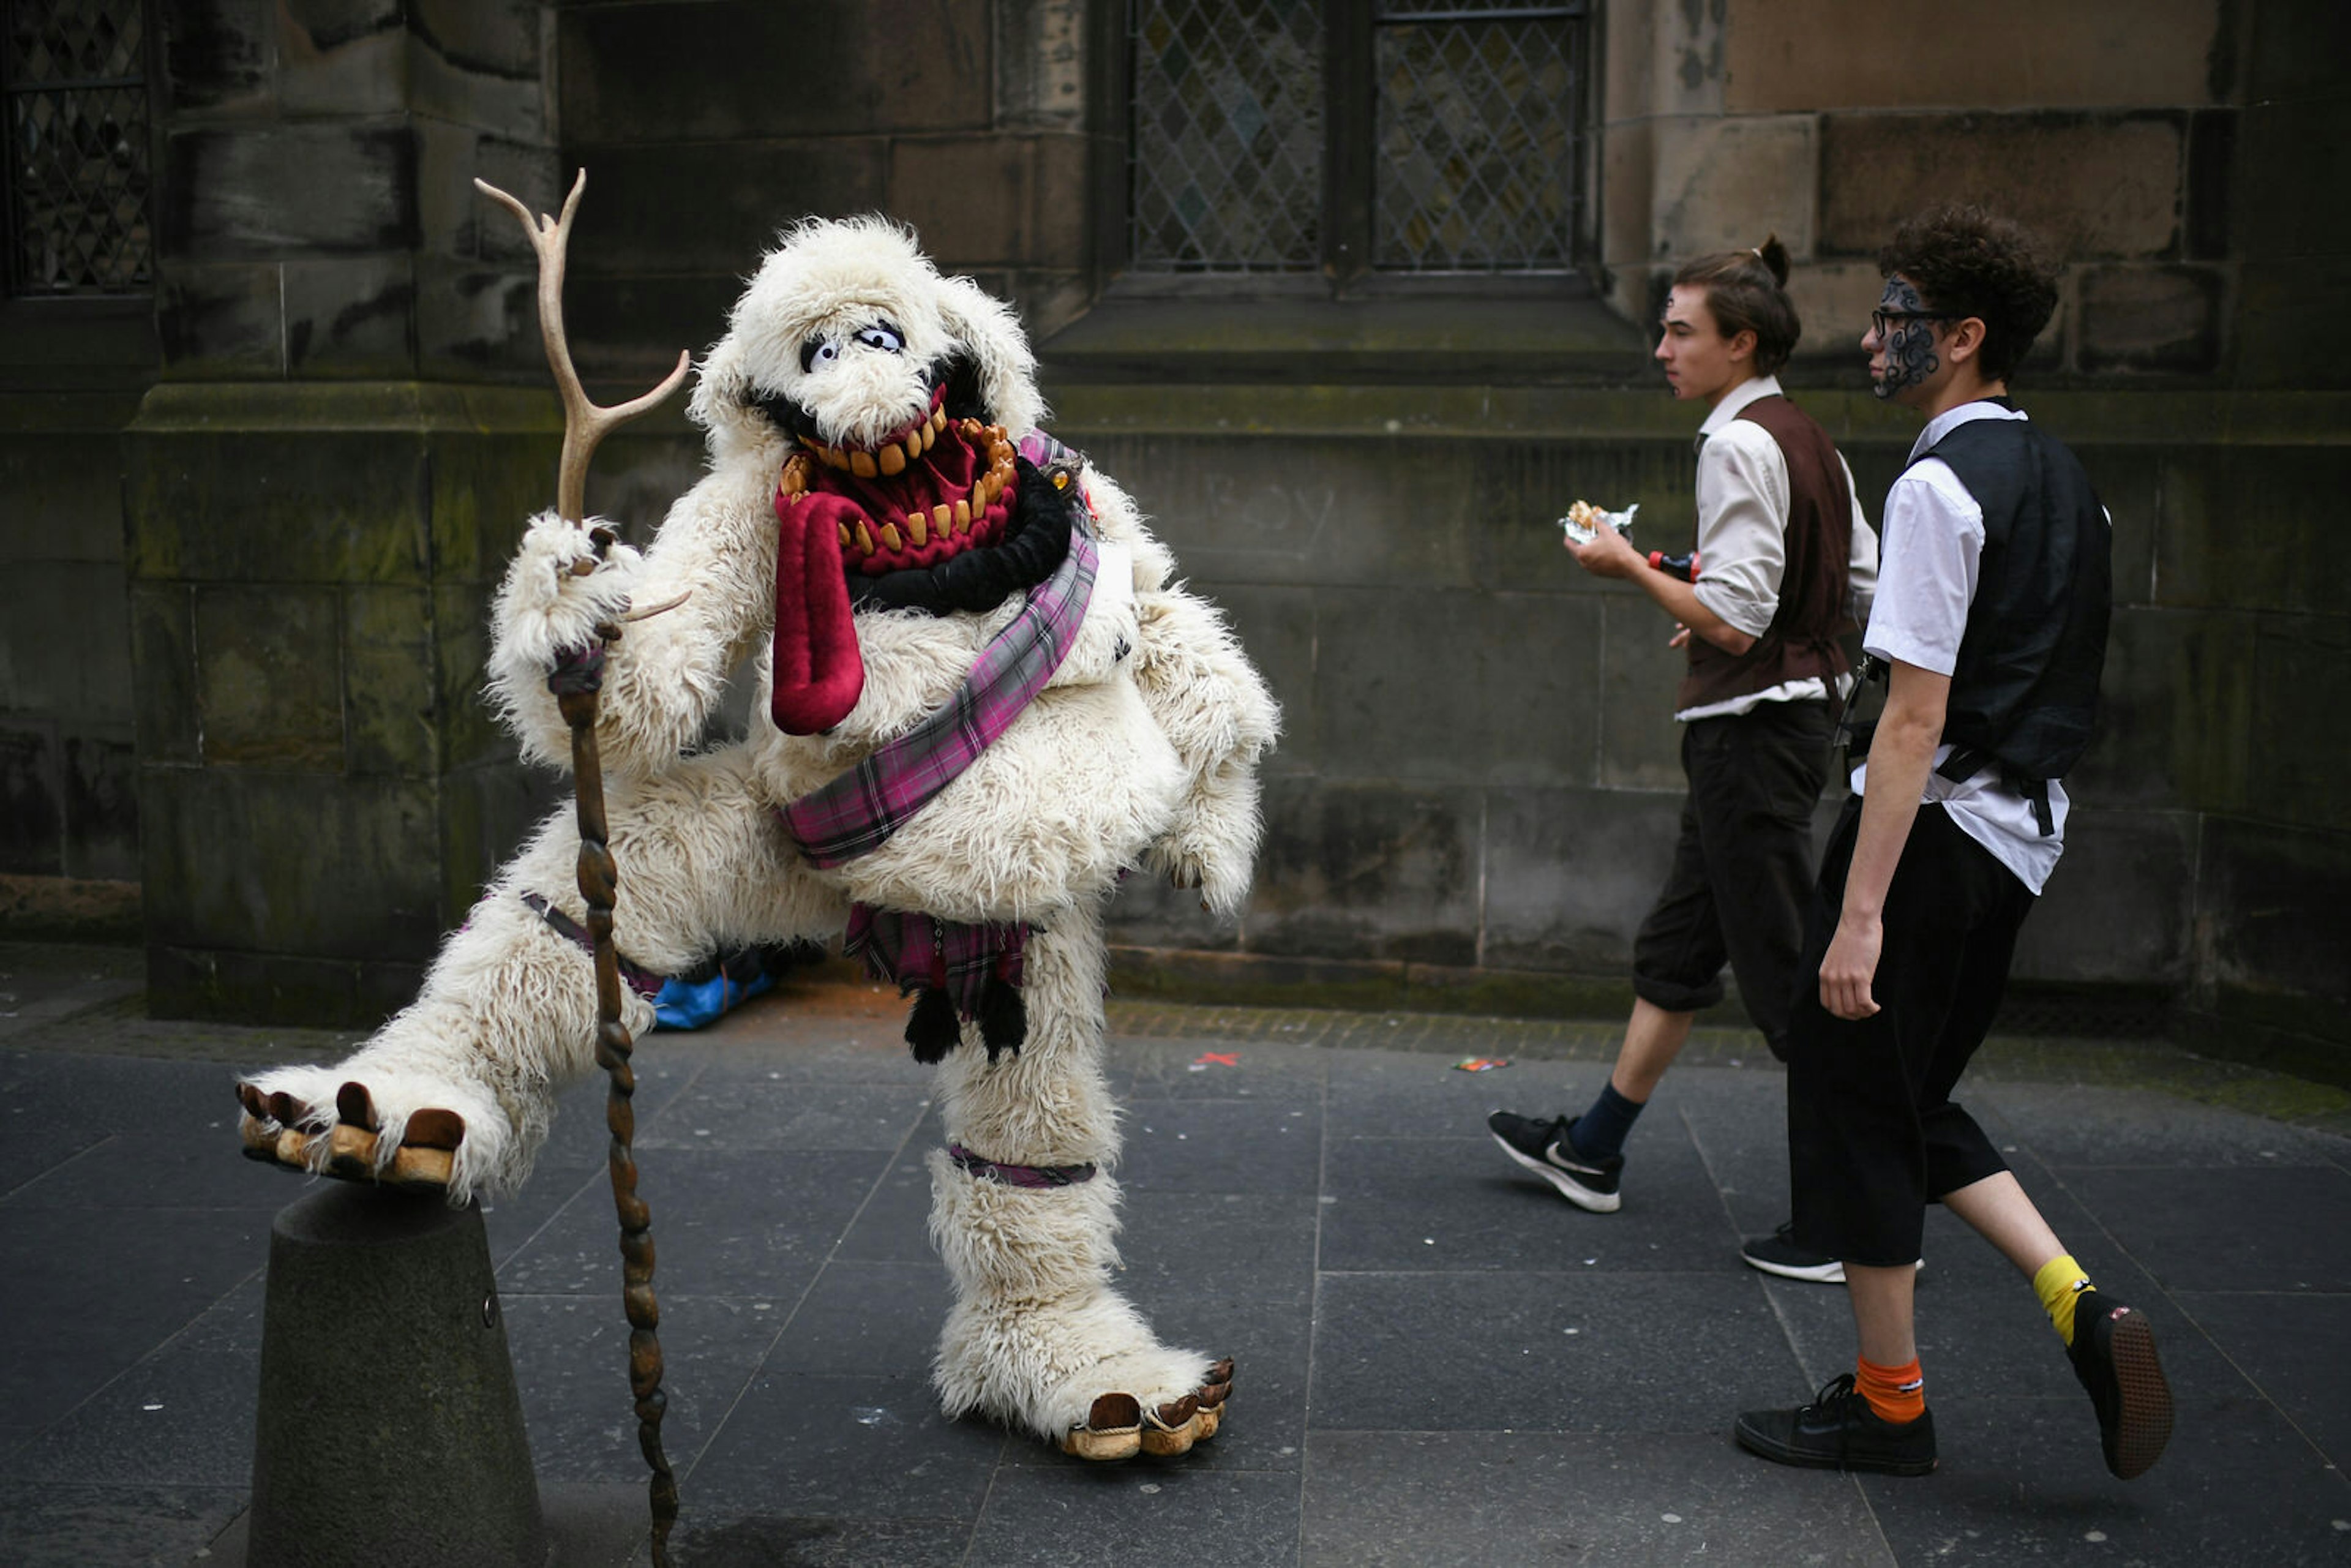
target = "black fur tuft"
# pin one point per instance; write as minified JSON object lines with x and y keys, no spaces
{"x":1003,"y":1018}
{"x":932,"y":1028}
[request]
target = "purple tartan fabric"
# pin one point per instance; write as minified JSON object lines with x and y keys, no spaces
{"x":856,"y":813}
{"x":912,"y":950}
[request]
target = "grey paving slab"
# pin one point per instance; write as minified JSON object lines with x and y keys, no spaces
{"x":1422,"y":1203}
{"x":718,"y":1113}
{"x":764,"y":1540}
{"x":747,"y":1223}
{"x":1145,"y":1511}
{"x":1215,"y":1070}
{"x":2081,"y":1124}
{"x":158,"y":1170}
{"x":1551,"y":1353}
{"x":860,"y":1445}
{"x":44,"y":1526}
{"x":571,"y":1360}
{"x":2273,"y":1228}
{"x":2020,"y":1481}
{"x":1221,"y":1247}
{"x":868,"y":1318}
{"x":889,"y":1228}
{"x":2292,"y":1347}
{"x":1433,"y":1500}
{"x":1221,"y":1146}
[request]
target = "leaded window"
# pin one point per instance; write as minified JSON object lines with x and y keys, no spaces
{"x":77,"y":133}
{"x":1402,"y":137}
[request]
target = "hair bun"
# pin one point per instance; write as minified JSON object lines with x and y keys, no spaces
{"x":1774,"y":255}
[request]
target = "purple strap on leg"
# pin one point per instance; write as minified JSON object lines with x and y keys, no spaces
{"x":1021,"y":1175}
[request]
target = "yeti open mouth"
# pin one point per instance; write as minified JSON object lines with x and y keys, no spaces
{"x":930,"y":490}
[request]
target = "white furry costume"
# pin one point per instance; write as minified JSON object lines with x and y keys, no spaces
{"x":1140,"y":751}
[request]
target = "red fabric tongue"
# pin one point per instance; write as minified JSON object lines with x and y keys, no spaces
{"x":818,"y":671}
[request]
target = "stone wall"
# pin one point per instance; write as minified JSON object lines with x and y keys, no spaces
{"x":1473,"y":798}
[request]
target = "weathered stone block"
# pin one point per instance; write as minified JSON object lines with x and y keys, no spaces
{"x":667,"y":208}
{"x":276,"y":988}
{"x":1633,"y":677}
{"x":393,"y":712}
{"x":101,"y":775}
{"x":1570,"y":873}
{"x":2296,"y":147}
{"x":1833,"y":302}
{"x":298,"y":188}
{"x":2239,"y":529}
{"x":631,"y":329}
{"x":2297,"y":49}
{"x":1628,"y":184}
{"x":487,"y":812}
{"x":352,"y":319}
{"x":1301,"y":510}
{"x":1368,"y":871}
{"x":1723,"y":184}
{"x":1151,"y":912}
{"x":486,"y":488}
{"x":2129,"y":481}
{"x":1522,"y":488}
{"x":32,"y":800}
{"x":477,"y":63}
{"x":2211,"y":183}
{"x":2117,"y":908}
{"x":1858,"y":53}
{"x":2302,"y":669}
{"x":643,"y":470}
{"x":222,"y":323}
{"x":739,"y":70}
{"x":2091,"y":186}
{"x":64,"y":645}
{"x":1405,"y":694}
{"x":992,"y":200}
{"x":263,"y":862}
{"x":2271,"y":905}
{"x":216,"y":56}
{"x":164,"y":654}
{"x":2150,"y":319}
{"x":344,"y":57}
{"x":2274,"y":344}
{"x":1040,"y":64}
{"x":266,"y":677}
{"x":460,"y":649}
{"x":64,"y":491}
{"x":478,"y":322}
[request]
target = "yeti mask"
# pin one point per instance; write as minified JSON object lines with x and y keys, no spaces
{"x":900,"y":392}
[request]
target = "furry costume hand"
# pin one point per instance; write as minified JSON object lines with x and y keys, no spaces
{"x":559,"y":591}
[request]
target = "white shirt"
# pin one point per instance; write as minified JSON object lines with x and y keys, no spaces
{"x":1934,"y":541}
{"x":1742,"y":537}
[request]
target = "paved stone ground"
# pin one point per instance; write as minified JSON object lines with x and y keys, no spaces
{"x":1439,"y":1360}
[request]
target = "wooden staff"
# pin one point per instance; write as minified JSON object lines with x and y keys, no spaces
{"x":584,"y":425}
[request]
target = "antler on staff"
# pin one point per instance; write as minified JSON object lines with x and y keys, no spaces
{"x":585,"y":423}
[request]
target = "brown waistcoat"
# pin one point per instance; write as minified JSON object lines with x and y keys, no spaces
{"x":1801,"y":639}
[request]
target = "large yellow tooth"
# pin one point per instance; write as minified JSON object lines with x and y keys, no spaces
{"x":892,"y":459}
{"x":963,"y":514}
{"x":862,"y":465}
{"x":836,"y":457}
{"x":917,"y":444}
{"x":941,"y":517}
{"x":938,"y":419}
{"x":865,"y":539}
{"x":844,"y":536}
{"x":918,"y":529}
{"x":892,"y":539}
{"x":925,"y":435}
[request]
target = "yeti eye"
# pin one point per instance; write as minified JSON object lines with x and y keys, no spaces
{"x":883,"y":336}
{"x":818,"y":352}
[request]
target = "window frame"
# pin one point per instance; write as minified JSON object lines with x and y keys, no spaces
{"x":1349,"y":195}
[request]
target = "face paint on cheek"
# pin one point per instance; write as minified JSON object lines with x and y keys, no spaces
{"x":1909,"y":346}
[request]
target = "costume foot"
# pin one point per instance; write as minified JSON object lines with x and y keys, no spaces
{"x":1117,"y":1427}
{"x":282,"y":1129}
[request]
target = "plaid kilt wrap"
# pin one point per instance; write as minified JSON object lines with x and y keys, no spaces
{"x":856,"y":813}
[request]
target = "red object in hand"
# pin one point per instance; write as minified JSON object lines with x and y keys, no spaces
{"x":1684,"y":566}
{"x":818,"y":669}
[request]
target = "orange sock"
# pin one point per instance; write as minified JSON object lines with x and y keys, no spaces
{"x":1896,"y":1393}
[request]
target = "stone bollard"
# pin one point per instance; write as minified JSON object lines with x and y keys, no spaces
{"x":389,"y":1430}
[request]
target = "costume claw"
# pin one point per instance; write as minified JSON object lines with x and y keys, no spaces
{"x":1112,"y":1429}
{"x":275,"y":1128}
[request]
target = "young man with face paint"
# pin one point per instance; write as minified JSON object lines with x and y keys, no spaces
{"x":1990,"y":618}
{"x":1785,"y":562}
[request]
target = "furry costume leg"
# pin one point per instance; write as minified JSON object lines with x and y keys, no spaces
{"x":1037,"y":1337}
{"x":507,"y":1015}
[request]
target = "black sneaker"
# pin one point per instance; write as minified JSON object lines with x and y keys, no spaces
{"x":1839,"y":1431}
{"x":1779,"y":1254}
{"x":2113,"y":1353}
{"x":1547,"y":1149}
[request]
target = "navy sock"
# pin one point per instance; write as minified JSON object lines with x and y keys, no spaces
{"x":1599,"y":1132}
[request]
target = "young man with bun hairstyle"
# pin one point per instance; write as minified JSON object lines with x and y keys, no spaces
{"x":1785,"y":564}
{"x":1991,"y":617}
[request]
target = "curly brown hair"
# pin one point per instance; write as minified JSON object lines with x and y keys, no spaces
{"x":1747,"y":291}
{"x":1969,"y":262}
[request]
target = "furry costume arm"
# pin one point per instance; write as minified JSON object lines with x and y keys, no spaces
{"x":1212,"y":704}
{"x":666,"y":673}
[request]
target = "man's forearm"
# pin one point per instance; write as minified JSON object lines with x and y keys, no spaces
{"x":1901,"y":755}
{"x":1680,"y":600}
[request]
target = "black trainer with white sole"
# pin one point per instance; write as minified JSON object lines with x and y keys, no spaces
{"x":1839,"y":1431}
{"x":1547,"y":1149}
{"x":1779,"y":1254}
{"x":2113,"y":1353}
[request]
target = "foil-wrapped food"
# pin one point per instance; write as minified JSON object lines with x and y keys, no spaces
{"x":1584,"y":521}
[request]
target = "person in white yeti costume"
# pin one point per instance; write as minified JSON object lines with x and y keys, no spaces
{"x":880,"y":419}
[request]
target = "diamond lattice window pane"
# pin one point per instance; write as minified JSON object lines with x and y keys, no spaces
{"x":1477,"y":144}
{"x":1227,"y":135}
{"x":78,"y":147}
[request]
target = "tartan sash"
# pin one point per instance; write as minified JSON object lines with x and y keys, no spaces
{"x":856,"y":813}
